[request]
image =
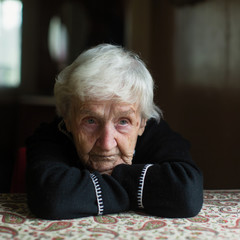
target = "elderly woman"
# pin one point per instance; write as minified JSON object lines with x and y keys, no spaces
{"x":109,"y":151}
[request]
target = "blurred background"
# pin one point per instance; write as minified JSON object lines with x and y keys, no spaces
{"x":192,"y":48}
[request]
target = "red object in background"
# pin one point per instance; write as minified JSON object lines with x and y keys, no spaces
{"x":18,"y":184}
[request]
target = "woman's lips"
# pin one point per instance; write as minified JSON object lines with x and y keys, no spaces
{"x":103,"y":163}
{"x":103,"y":157}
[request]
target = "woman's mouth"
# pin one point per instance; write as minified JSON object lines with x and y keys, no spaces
{"x":103,"y":163}
{"x":103,"y":157}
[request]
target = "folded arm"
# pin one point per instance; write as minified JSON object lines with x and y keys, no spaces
{"x":170,"y":189}
{"x":59,"y":187}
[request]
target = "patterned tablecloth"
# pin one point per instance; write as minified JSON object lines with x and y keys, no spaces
{"x":219,"y":219}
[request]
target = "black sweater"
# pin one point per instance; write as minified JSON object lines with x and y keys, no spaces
{"x":162,"y":181}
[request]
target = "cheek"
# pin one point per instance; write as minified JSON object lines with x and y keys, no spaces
{"x":84,"y":143}
{"x":127,"y":144}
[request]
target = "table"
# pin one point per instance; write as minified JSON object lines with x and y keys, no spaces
{"x":218,"y":219}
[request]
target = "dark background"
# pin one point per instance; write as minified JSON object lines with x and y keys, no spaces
{"x":192,"y":50}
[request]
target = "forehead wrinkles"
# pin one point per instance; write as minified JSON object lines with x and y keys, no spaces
{"x":101,"y":109}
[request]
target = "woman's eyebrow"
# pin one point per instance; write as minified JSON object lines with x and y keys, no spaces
{"x":88,"y":112}
{"x":125,"y":113}
{"x":95,"y":114}
{"x":85,"y":111}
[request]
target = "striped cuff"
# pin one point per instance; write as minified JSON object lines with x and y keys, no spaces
{"x":98,"y":193}
{"x":141,"y":186}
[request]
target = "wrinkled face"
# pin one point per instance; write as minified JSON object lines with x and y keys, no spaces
{"x":105,"y":133}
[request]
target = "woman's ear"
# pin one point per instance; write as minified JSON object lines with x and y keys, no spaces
{"x":68,"y":125}
{"x":142,"y":126}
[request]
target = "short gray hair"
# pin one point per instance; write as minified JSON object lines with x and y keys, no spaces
{"x":106,"y":72}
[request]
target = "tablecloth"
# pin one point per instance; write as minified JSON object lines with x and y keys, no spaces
{"x":218,"y":219}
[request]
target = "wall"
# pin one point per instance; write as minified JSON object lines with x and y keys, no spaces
{"x":195,"y":59}
{"x":8,"y":122}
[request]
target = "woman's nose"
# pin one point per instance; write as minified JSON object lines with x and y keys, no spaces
{"x":107,"y":138}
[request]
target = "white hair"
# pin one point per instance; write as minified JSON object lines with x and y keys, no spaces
{"x":106,"y":72}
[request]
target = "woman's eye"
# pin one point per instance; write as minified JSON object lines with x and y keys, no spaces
{"x":123,"y":122}
{"x":90,"y":121}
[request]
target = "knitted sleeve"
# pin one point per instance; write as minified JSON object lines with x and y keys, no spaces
{"x":58,"y":187}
